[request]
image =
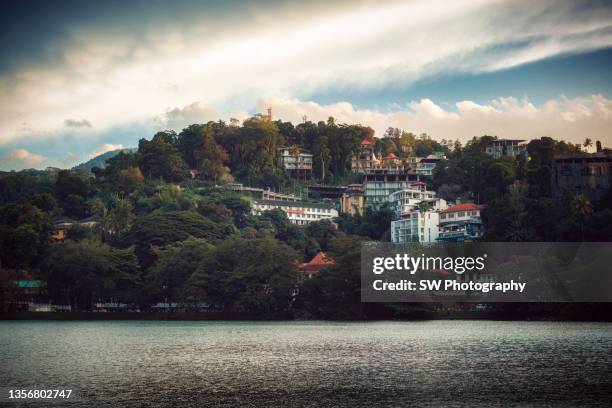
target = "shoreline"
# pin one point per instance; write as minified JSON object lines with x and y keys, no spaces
{"x":190,"y":316}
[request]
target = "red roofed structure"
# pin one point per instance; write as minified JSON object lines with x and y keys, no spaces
{"x":316,"y":264}
{"x":367,"y":141}
{"x":461,"y":223}
{"x":462,"y":207}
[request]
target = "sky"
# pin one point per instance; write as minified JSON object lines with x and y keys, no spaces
{"x":78,"y":78}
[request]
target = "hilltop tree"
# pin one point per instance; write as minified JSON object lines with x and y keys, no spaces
{"x":159,"y":158}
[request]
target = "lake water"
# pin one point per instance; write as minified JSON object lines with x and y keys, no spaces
{"x":432,"y":364}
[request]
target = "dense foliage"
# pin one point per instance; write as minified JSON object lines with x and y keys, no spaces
{"x":165,"y":231}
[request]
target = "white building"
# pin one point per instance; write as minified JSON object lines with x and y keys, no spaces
{"x":415,"y":223}
{"x":461,"y":223}
{"x":295,"y":161}
{"x":426,"y":165}
{"x":506,"y":148}
{"x":298,"y":212}
{"x":418,"y":226}
{"x":380,"y":182}
{"x":408,"y":199}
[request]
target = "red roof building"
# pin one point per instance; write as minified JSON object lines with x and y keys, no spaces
{"x":367,"y":142}
{"x":391,"y":156}
{"x":316,"y":264}
{"x":462,"y":207}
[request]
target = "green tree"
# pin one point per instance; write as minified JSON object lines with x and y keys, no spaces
{"x":159,"y":158}
{"x":164,"y":228}
{"x":24,"y":235}
{"x":261,"y":280}
{"x":175,"y":265}
{"x":82,"y":272}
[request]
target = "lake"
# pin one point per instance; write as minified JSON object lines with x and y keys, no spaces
{"x":431,"y":364}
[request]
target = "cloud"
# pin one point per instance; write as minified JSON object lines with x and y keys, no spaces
{"x":563,"y":118}
{"x":196,"y":112}
{"x":77,"y":123}
{"x":17,"y":159}
{"x":107,"y":147}
{"x":116,"y":77}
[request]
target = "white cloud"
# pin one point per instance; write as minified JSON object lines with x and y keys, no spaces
{"x":564,"y":119}
{"x":196,"y":112}
{"x":17,"y":159}
{"x":107,"y":147}
{"x":114,"y":79}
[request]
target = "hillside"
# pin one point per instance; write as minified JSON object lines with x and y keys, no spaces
{"x":100,"y":160}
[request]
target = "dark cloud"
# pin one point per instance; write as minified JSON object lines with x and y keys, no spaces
{"x":73,"y":123}
{"x":34,"y":32}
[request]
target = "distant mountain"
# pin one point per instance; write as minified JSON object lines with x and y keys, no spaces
{"x":100,"y":161}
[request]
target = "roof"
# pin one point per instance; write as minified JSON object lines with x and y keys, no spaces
{"x":390,"y":156}
{"x":317,"y":263}
{"x":302,"y":204}
{"x":462,"y":207}
{"x":367,"y":141}
{"x":30,"y":283}
{"x":63,"y":220}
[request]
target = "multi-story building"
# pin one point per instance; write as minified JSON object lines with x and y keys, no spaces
{"x":416,"y":226}
{"x":352,"y":200}
{"x":506,"y":148}
{"x":297,"y":162}
{"x":408,"y":199}
{"x":461,"y":223}
{"x":417,"y":212}
{"x":298,"y":212}
{"x":587,"y":174}
{"x":382,"y":181}
{"x":426,"y":165}
{"x":365,"y":158}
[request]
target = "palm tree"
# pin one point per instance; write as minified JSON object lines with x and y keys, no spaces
{"x":587,"y":143}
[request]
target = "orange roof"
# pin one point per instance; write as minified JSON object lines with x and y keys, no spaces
{"x":366,"y":141}
{"x":462,"y":207}
{"x":391,"y":156}
{"x":318,"y":262}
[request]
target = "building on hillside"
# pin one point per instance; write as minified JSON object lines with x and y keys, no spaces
{"x":316,"y":265}
{"x":60,"y":226}
{"x":587,"y":174}
{"x":426,"y":165}
{"x":365,"y":158}
{"x":297,"y":162}
{"x":417,"y":212}
{"x":416,"y":226}
{"x":499,"y":148}
{"x":298,"y":212}
{"x":409,"y":199}
{"x":321,"y":192}
{"x":27,"y":295}
{"x":380,"y":182}
{"x":461,"y":223}
{"x":352,"y":201}
{"x":261,"y":193}
{"x":391,"y":160}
